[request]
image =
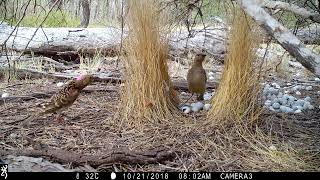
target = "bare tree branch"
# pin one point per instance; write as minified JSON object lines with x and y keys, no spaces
{"x":285,"y":38}
{"x":292,"y":8}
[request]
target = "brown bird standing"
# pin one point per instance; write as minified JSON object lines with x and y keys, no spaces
{"x":197,"y":77}
{"x":65,"y":97}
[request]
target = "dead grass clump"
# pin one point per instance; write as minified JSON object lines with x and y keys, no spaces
{"x":271,"y":153}
{"x":148,"y":93}
{"x":237,"y":93}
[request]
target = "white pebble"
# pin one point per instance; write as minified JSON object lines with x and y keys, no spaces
{"x":211,"y":78}
{"x":59,"y":84}
{"x":294,"y":107}
{"x":207,"y":107}
{"x":265,"y":92}
{"x":275,"y":100}
{"x":13,"y":135}
{"x":307,"y":98}
{"x":195,"y":108}
{"x":186,"y":109}
{"x":299,"y":107}
{"x":268,"y":103}
{"x":306,"y":105}
{"x":267,"y":86}
{"x":300,"y":102}
{"x":309,"y":88}
{"x":4,"y":95}
{"x":290,"y":103}
{"x":310,"y":107}
{"x":298,"y":93}
{"x":295,"y":88}
{"x":183,"y":93}
{"x":268,"y":96}
{"x":280,"y":95}
{"x":286,"y":109}
{"x":297,"y":111}
{"x":207,"y":96}
{"x":289,"y":84}
{"x":276,"y":85}
{"x":272,"y":148}
{"x":318,"y":92}
{"x":274,"y":91}
{"x":211,"y":73}
{"x":317,"y":79}
{"x":291,"y":98}
{"x":276,"y":105}
{"x":286,"y":96}
{"x":273,"y":97}
{"x":199,"y":105}
{"x":271,"y":108}
{"x":283,"y":101}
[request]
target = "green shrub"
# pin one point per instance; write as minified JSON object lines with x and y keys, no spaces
{"x":54,"y":19}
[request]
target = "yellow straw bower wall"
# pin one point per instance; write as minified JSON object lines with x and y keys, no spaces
{"x":236,"y":95}
{"x":148,"y":94}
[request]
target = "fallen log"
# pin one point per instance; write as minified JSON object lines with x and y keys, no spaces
{"x":179,"y":84}
{"x":69,"y":43}
{"x":118,"y":156}
{"x":34,"y":74}
{"x":46,"y":63}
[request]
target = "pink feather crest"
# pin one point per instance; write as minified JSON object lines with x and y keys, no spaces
{"x":79,"y":77}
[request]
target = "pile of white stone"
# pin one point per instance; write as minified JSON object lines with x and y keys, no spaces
{"x":275,"y":98}
{"x":196,"y":107}
{"x":279,"y":99}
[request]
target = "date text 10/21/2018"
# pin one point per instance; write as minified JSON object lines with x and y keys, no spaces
{"x":166,"y":175}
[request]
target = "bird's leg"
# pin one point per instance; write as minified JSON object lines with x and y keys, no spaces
{"x":188,"y":99}
{"x":200,"y":97}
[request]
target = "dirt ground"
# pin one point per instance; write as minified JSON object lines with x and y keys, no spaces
{"x":91,"y":127}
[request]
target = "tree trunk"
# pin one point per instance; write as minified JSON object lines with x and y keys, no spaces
{"x":85,"y":13}
{"x":57,"y":5}
{"x":285,"y":38}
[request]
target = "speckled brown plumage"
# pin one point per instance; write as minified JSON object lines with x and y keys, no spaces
{"x":197,"y":77}
{"x":63,"y":98}
{"x":67,"y":95}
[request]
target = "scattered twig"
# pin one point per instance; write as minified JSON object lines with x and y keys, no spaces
{"x":38,"y":95}
{"x":23,"y":73}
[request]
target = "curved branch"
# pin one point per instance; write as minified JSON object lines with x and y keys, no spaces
{"x":292,"y":8}
{"x":286,"y":39}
